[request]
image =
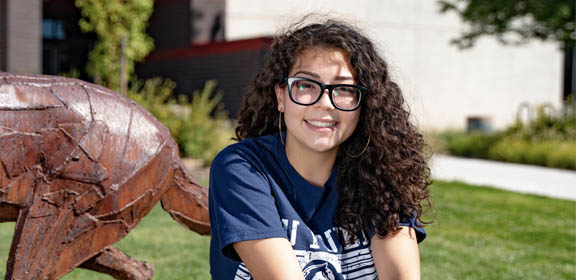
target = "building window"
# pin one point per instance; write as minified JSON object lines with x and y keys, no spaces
{"x":53,"y":29}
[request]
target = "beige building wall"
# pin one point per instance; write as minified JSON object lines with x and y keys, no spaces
{"x":22,"y":51}
{"x":443,"y":85}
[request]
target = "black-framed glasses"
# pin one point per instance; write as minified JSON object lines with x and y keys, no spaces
{"x":307,"y":92}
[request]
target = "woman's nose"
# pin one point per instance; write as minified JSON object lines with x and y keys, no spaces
{"x":324,"y":102}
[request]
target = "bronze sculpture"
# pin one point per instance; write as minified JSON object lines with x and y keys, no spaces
{"x":80,"y":166}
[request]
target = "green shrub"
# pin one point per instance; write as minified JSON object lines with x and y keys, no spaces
{"x":200,"y":127}
{"x":562,"y":156}
{"x":469,"y":144}
{"x":507,"y":150}
{"x":207,"y":129}
{"x":558,"y":154}
{"x":548,"y":140}
{"x":435,"y":141}
{"x":536,"y":152}
{"x":547,"y":125}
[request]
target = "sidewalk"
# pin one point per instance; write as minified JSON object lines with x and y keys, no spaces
{"x":522,"y":178}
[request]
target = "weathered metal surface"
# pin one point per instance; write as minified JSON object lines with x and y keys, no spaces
{"x":114,"y":262}
{"x":80,"y":166}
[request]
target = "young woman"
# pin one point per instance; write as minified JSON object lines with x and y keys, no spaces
{"x":328,"y":179}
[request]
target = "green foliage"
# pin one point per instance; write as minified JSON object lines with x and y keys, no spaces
{"x":73,"y":73}
{"x":547,"y":125}
{"x":435,"y":141}
{"x":200,"y":127}
{"x":469,"y":144}
{"x":207,"y":129}
{"x":514,"y":21}
{"x":559,"y":154}
{"x":547,"y":140}
{"x":115,"y":22}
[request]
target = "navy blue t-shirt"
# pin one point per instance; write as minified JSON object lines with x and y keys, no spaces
{"x":255,"y":193}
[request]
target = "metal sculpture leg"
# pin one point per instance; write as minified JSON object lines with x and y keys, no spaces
{"x":186,"y":201}
{"x":39,"y":230}
{"x":117,"y":264}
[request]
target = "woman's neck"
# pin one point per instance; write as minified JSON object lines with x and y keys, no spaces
{"x":314,"y":167}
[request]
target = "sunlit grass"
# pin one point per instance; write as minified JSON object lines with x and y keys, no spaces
{"x":485,"y":233}
{"x":175,"y":251}
{"x":479,"y":233}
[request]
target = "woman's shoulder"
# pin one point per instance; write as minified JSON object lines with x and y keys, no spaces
{"x":249,"y":149}
{"x":249,"y":160}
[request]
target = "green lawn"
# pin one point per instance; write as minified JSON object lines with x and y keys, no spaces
{"x":479,"y":233}
{"x":485,"y":233}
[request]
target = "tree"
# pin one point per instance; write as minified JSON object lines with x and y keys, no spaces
{"x":514,"y":21}
{"x":519,"y":21}
{"x":122,"y":40}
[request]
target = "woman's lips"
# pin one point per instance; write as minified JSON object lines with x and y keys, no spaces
{"x":321,"y":125}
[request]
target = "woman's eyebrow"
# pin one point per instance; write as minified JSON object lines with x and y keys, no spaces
{"x":337,"y":78}
{"x":308,"y":73}
{"x":343,"y":78}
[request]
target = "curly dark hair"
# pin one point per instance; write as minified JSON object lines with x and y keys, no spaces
{"x":390,"y":177}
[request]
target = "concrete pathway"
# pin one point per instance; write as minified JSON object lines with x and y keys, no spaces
{"x":550,"y":182}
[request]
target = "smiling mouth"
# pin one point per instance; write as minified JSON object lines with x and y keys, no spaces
{"x":321,"y":124}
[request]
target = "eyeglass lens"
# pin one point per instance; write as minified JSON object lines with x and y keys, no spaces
{"x":308,"y":92}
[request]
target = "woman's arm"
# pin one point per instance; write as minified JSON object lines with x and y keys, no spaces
{"x":396,"y":256}
{"x":270,"y":258}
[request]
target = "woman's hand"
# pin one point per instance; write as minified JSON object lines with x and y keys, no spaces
{"x":270,"y":258}
{"x":397,"y":256}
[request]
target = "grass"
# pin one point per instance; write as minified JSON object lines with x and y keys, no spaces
{"x":176,"y":252}
{"x":479,"y":233}
{"x":485,"y":233}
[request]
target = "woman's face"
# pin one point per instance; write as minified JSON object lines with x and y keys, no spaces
{"x":319,"y":127}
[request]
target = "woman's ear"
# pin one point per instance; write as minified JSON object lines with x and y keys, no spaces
{"x":279,"y":97}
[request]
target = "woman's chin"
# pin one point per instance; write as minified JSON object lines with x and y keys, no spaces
{"x":324,"y":147}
